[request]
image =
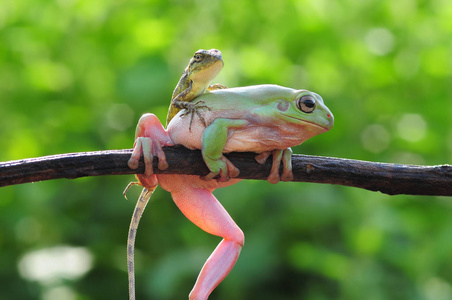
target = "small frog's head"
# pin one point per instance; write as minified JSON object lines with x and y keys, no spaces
{"x":205,"y":65}
{"x":305,"y":110}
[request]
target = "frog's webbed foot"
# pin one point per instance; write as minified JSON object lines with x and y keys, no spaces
{"x":222,"y":167}
{"x":192,"y":108}
{"x":278,"y":155}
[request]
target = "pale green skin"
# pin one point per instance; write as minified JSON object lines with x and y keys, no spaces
{"x":253,"y":118}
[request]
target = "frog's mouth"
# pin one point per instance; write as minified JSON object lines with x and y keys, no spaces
{"x":310,"y":123}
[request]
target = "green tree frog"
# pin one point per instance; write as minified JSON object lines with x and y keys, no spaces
{"x":266,"y":119}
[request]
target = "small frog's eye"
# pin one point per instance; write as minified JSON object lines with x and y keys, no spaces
{"x":306,"y":103}
{"x":197,"y":57}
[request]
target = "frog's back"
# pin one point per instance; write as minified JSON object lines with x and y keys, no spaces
{"x":245,"y":97}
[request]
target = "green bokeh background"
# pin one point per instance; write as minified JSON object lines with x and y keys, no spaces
{"x":75,"y":75}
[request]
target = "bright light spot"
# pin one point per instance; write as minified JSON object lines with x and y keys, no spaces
{"x":437,"y":289}
{"x":379,"y":41}
{"x":412,"y":127}
{"x":59,"y":292}
{"x":55,"y":263}
{"x":375,"y":138}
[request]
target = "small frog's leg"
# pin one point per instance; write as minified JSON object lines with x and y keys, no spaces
{"x":278,"y":155}
{"x":192,"y":108}
{"x":138,"y":212}
{"x":176,"y":104}
{"x":214,"y":140}
{"x":183,"y":101}
{"x":205,"y":211}
{"x":216,"y":86}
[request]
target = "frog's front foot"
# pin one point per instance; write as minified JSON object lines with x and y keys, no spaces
{"x":216,"y":86}
{"x":148,"y":148}
{"x":150,"y":138}
{"x":192,"y":108}
{"x":278,"y":155}
{"x":220,"y":166}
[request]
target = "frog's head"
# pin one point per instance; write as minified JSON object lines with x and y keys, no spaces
{"x":205,"y":65}
{"x":306,"y":110}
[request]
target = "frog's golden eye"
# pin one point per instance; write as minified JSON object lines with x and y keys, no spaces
{"x":306,"y":103}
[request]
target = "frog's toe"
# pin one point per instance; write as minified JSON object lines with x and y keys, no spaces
{"x":146,"y":144}
{"x":163,"y":165}
{"x":262,"y":157}
{"x":133,"y":163}
{"x":209,"y":176}
{"x":223,"y":176}
{"x":273,"y":178}
{"x":287,"y":176}
{"x":136,"y":154}
{"x":158,"y":151}
{"x":233,"y":171}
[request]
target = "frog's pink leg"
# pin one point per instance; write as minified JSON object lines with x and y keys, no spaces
{"x":205,"y":211}
{"x":150,"y":136}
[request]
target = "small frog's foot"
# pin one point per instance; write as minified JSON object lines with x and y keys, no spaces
{"x":216,"y":86}
{"x":222,"y":167}
{"x":278,"y":155}
{"x":192,"y":108}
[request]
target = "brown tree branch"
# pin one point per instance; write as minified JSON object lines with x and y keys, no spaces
{"x":387,"y":178}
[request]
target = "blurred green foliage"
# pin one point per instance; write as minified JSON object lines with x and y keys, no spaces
{"x":75,"y":75}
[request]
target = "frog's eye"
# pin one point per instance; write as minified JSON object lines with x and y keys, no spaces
{"x":197,"y":57}
{"x":306,"y":104}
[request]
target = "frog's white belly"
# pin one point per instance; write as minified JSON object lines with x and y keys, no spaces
{"x":258,"y":139}
{"x":252,"y":138}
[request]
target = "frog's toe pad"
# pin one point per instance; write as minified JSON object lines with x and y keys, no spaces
{"x":262,"y":157}
{"x":233,"y":171}
{"x":287,"y":177}
{"x":209,"y":176}
{"x":133,"y":163}
{"x":163,"y":165}
{"x":273,"y":178}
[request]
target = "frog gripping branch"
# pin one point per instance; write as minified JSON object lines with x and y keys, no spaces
{"x":265,"y":119}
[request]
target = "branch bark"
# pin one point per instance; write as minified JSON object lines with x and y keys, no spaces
{"x":387,"y":178}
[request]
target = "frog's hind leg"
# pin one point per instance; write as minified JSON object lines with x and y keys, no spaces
{"x":205,"y":211}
